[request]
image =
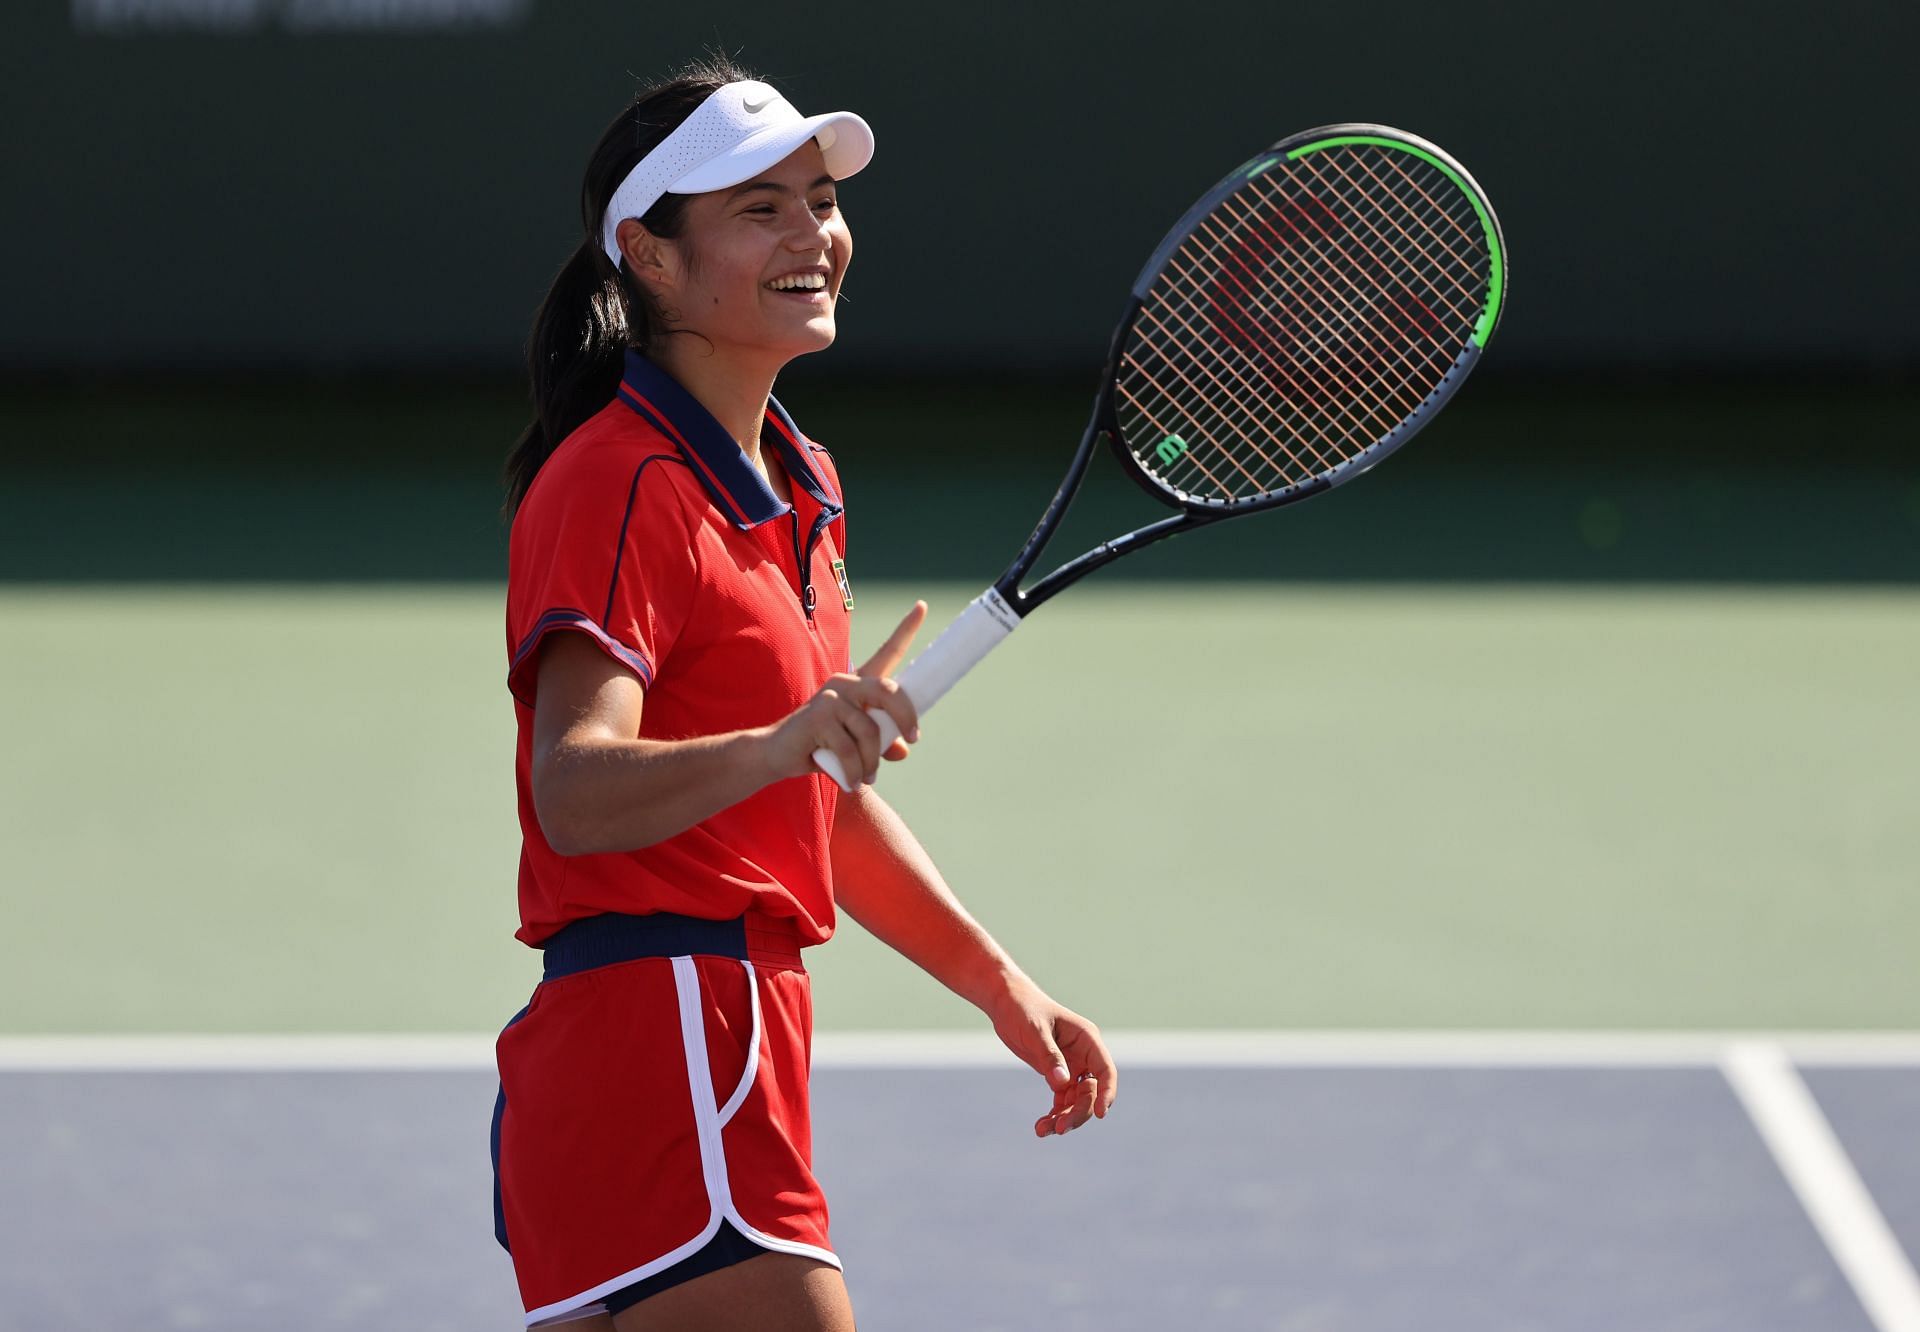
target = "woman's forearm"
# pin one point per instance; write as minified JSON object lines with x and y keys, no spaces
{"x":886,"y":880}
{"x":601,"y":794}
{"x":598,"y":786}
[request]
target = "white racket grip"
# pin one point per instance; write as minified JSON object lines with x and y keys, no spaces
{"x":974,"y":633}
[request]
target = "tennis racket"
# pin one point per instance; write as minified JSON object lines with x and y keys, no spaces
{"x":1305,"y":318}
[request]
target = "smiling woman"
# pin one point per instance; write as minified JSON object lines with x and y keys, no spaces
{"x":753,"y":276}
{"x":674,"y":667}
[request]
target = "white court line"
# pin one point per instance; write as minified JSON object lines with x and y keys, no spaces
{"x":1817,"y":1168}
{"x":428,"y":1052}
{"x":1377,"y":1049}
{"x":231,"y":1053}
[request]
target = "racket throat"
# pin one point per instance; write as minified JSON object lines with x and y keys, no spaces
{"x":1008,"y":583}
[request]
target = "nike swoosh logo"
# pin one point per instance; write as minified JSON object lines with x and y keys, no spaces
{"x":755,"y":108}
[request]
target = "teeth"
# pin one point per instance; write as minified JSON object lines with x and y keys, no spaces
{"x":800,"y":282}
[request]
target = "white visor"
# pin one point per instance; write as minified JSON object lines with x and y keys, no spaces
{"x":738,"y":132}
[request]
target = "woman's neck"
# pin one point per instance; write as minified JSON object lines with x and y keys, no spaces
{"x":735,"y":395}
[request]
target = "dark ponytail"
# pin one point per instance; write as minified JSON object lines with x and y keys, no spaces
{"x":595,"y":311}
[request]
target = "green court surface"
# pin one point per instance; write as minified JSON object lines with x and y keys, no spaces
{"x":266,"y":808}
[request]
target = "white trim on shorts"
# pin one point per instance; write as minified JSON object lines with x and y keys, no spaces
{"x":709,"y":1119}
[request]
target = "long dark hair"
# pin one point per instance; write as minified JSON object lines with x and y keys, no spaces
{"x":595,"y":310}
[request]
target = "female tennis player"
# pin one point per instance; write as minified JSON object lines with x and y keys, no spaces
{"x":678,"y":631}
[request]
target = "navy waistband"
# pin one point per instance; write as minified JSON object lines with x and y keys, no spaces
{"x":603,"y":940}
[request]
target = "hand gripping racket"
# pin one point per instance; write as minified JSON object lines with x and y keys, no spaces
{"x":1305,"y":319}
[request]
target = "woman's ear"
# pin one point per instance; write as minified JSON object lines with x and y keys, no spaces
{"x":648,"y":257}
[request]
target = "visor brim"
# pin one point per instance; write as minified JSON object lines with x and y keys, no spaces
{"x":846,"y":143}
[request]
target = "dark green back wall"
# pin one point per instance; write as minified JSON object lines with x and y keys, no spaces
{"x":1519,"y":482}
{"x":1682,"y":185}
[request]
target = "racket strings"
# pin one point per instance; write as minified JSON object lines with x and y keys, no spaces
{"x":1363,"y":210}
{"x":1250,"y":294}
{"x":1316,"y":252}
{"x":1370,"y":262}
{"x":1340,"y":286}
{"x":1461,"y":218}
{"x":1237,"y":303}
{"x":1462,"y":280}
{"x":1228,"y":313}
{"x":1316,"y":433}
{"x":1202,"y":418}
{"x":1294,"y":444}
{"x":1350,"y":288}
{"x":1349,"y":267}
{"x":1333,"y":404}
{"x":1329,"y":411}
{"x":1309,"y":440}
{"x":1226,"y":383}
{"x":1314,"y":310}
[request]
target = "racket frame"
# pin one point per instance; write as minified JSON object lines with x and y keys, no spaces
{"x":1196,"y":512}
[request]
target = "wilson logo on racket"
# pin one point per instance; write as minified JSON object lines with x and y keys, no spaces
{"x":1268,"y":291}
{"x":1169,"y":450}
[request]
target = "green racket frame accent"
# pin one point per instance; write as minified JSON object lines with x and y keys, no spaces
{"x":1496,"y":279}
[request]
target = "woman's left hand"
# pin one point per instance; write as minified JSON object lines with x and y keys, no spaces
{"x":1062,"y":1047}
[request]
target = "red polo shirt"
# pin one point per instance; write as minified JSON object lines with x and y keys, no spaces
{"x":650,"y":533}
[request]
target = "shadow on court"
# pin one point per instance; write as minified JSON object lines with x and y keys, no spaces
{"x":1311,"y":1200}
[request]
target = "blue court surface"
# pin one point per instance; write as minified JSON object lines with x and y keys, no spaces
{"x":1333,"y":1183}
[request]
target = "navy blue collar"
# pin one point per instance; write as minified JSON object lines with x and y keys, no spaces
{"x":736,"y":485}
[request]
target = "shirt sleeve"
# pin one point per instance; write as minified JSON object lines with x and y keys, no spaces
{"x":602,"y":548}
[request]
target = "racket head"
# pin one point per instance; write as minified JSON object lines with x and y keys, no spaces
{"x":1305,"y":318}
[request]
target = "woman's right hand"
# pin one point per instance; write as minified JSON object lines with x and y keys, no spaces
{"x":836,"y":720}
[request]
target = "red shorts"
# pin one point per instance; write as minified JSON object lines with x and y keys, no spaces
{"x":644,"y":1101}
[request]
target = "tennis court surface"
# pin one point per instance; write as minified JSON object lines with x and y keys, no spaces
{"x":1245,"y":1181}
{"x":1650,"y":811}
